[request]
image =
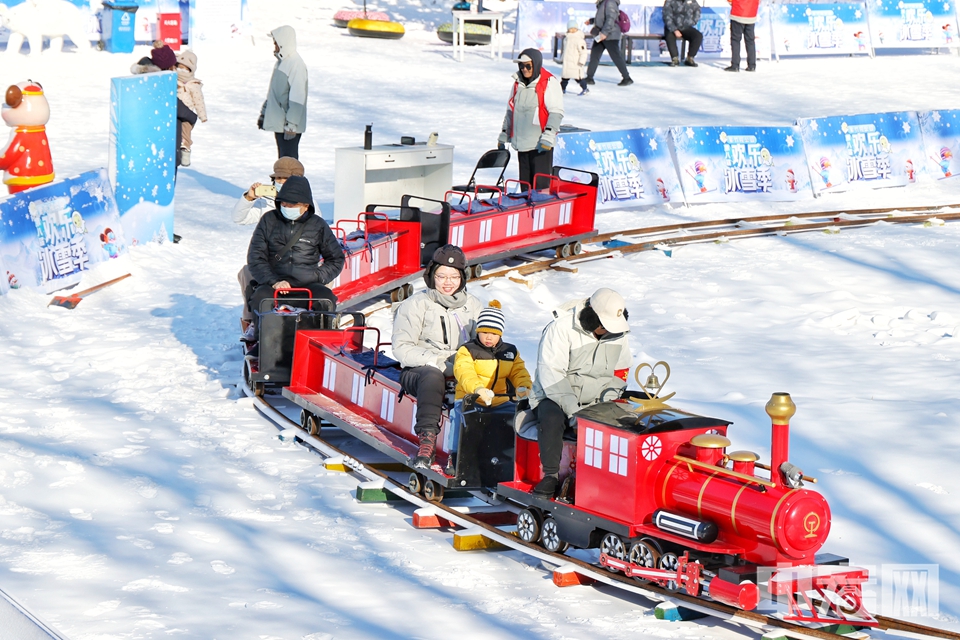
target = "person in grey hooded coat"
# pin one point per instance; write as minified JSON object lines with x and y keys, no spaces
{"x":284,"y":112}
{"x":606,"y":37}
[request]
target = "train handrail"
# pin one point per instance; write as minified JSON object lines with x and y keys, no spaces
{"x":724,"y":471}
{"x":310,"y":299}
{"x":376,"y":349}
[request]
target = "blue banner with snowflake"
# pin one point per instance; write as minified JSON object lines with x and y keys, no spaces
{"x":538,"y":22}
{"x":728,"y":164}
{"x":819,"y":29}
{"x":871,"y":150}
{"x":52,"y":234}
{"x":941,"y":142}
{"x":635,"y":166}
{"x":143,"y":121}
{"x":715,"y":26}
{"x":899,"y":24}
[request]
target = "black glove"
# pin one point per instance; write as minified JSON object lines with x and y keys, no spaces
{"x":260,"y":122}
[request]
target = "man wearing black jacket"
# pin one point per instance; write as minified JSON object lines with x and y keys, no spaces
{"x":288,"y":244}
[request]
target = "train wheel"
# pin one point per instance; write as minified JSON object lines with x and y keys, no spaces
{"x":669,"y":562}
{"x":408,"y":289}
{"x":477,"y":270}
{"x":613,"y":546}
{"x":432,"y":491}
{"x":576,"y":248}
{"x":398,"y":294}
{"x":528,"y":526}
{"x":415,"y":483}
{"x":550,"y":538}
{"x":563,"y":251}
{"x":304,"y":417}
{"x":644,"y":554}
{"x":313,"y":425}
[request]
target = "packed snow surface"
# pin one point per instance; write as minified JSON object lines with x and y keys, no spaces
{"x":142,"y":497}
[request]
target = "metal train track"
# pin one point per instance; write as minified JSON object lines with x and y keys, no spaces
{"x":756,"y":621}
{"x":665,"y":236}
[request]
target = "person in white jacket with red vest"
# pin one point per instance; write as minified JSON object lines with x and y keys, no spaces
{"x":533,"y":117}
{"x":743,"y":19}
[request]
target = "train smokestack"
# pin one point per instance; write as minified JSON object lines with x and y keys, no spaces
{"x":780,"y":408}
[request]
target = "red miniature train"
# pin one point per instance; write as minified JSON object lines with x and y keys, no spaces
{"x":653,"y":489}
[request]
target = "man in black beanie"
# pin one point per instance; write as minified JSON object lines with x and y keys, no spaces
{"x":287,"y":247}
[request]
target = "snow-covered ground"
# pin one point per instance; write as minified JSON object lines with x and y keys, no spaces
{"x":140,"y":497}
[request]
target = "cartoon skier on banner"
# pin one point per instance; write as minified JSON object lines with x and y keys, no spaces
{"x":944,"y":161}
{"x":699,"y":174}
{"x":26,"y":160}
{"x":824,"y":171}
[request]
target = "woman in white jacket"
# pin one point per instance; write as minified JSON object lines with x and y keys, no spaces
{"x":428,"y":328}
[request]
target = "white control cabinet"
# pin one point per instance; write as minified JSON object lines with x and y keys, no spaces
{"x":383,"y":174}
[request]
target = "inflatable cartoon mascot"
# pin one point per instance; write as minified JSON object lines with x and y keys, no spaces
{"x":26,"y":159}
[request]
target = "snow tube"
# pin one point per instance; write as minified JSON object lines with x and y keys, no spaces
{"x":341,"y":18}
{"x":472,"y":33}
{"x":375,"y":29}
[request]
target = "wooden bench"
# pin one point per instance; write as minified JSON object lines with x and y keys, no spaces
{"x":626,"y":45}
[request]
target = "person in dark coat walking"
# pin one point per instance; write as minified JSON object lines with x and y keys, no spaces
{"x":606,"y":37}
{"x":680,"y":18}
{"x":299,"y":266}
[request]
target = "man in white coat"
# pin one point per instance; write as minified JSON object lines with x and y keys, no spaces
{"x":285,"y":110}
{"x":583,"y":359}
{"x":534,"y":113}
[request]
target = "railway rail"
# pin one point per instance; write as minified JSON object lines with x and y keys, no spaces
{"x":672,"y":235}
{"x":756,"y":621}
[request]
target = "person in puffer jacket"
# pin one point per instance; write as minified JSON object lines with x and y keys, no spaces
{"x":299,"y":266}
{"x":680,"y":18}
{"x":428,"y":328}
{"x":534,"y":113}
{"x":583,"y":359}
{"x":190,"y":93}
{"x":606,"y":35}
{"x":284,"y":112}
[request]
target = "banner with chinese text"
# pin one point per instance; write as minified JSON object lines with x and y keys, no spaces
{"x":538,"y":22}
{"x":50,"y":235}
{"x":819,"y":29}
{"x":635,"y":166}
{"x":727,"y":164}
{"x":899,"y":24}
{"x":871,"y":150}
{"x":715,"y":26}
{"x":941,"y":141}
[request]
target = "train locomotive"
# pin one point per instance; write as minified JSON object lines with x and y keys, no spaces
{"x":653,"y":488}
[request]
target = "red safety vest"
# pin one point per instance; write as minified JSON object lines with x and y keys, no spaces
{"x":541,"y":89}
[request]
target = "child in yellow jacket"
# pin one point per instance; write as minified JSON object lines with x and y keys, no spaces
{"x":485,"y":364}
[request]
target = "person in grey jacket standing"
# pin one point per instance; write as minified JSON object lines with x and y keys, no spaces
{"x":534,"y":113}
{"x":285,"y":110}
{"x":680,"y":18}
{"x":606,"y":36}
{"x":428,"y":328}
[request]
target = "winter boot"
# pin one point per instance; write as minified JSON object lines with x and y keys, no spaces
{"x":732,"y":69}
{"x":690,"y":62}
{"x":626,"y":82}
{"x":547,"y":486}
{"x":674,"y":62}
{"x":428,"y":448}
{"x":184,"y":157}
